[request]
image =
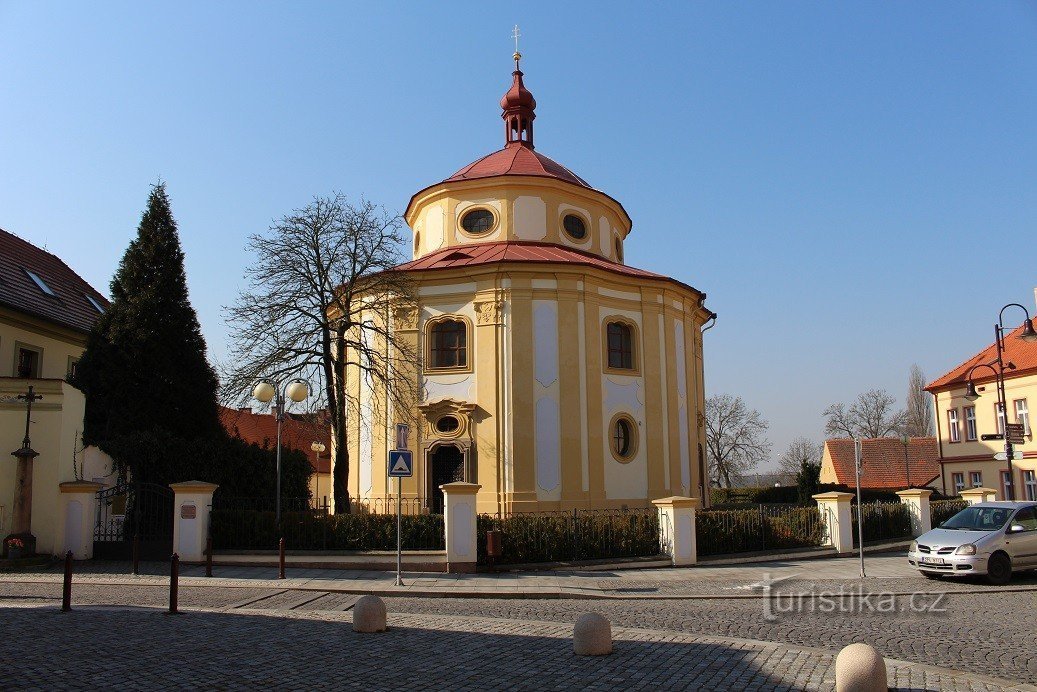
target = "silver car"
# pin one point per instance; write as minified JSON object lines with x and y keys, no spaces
{"x":989,"y":538}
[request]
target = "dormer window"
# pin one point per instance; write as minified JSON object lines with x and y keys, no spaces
{"x":41,"y":283}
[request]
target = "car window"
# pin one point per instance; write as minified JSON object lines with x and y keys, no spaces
{"x":1027,"y":518}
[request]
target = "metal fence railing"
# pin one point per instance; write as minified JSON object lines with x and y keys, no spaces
{"x":387,"y":505}
{"x":942,"y":510}
{"x":764,"y":527}
{"x":571,"y":535}
{"x":883,"y":521}
{"x":251,"y":524}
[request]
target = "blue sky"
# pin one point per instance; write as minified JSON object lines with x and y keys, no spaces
{"x":853,"y":184}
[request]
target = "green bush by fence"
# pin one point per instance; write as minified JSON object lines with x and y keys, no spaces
{"x":733,"y":498}
{"x":942,"y":510}
{"x":883,"y":521}
{"x":313,"y":530}
{"x":565,"y":536}
{"x":720,"y":531}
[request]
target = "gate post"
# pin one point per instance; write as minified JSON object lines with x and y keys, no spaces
{"x":192,"y":501}
{"x":917,"y":501}
{"x":460,"y":524}
{"x":835,"y":509}
{"x":677,"y":528}
{"x":78,"y":518}
{"x":976,"y":495}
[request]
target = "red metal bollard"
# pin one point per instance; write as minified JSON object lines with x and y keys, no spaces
{"x":66,"y":591}
{"x":174,"y":578}
{"x":208,"y":557}
{"x":280,"y":559}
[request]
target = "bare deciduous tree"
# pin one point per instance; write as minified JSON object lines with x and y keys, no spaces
{"x":321,"y":293}
{"x":919,"y":417}
{"x":799,"y":450}
{"x":873,"y":414}
{"x":735,"y":441}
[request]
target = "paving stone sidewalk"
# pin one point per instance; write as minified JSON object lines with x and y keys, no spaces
{"x":885,"y":573}
{"x":146,"y":649}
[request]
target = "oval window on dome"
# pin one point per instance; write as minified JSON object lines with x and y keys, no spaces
{"x":574,"y":226}
{"x":478,"y":221}
{"x":447,"y":425}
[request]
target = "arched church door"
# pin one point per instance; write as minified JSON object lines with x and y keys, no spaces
{"x":447,"y":467}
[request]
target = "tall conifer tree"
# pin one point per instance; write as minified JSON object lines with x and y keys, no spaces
{"x":144,"y":368}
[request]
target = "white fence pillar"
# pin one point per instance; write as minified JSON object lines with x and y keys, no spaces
{"x":835,"y":510}
{"x":677,"y":528}
{"x":192,"y":501}
{"x":460,"y":525}
{"x":917,"y":501}
{"x":77,"y":519}
{"x":977,"y":495}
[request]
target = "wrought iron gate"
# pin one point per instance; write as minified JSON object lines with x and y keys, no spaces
{"x":129,"y":511}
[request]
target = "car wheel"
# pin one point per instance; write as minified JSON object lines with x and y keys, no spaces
{"x":930,"y":575}
{"x":999,"y":569}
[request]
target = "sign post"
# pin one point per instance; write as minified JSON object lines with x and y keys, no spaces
{"x":858,"y":454}
{"x":401,"y":465}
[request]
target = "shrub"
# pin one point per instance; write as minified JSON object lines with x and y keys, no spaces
{"x":313,"y":530}
{"x":564,"y":536}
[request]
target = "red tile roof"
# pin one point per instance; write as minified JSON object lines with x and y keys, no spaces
{"x":523,"y":252}
{"x":1021,"y":353}
{"x":516,"y":159}
{"x":297,"y":432}
{"x":882,"y":462}
{"x":69,"y":307}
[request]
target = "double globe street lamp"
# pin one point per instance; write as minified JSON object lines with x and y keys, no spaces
{"x":971,"y":393}
{"x":270,"y":390}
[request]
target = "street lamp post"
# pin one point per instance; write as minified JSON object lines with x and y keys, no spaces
{"x":1027,"y":334}
{"x":906,"y":440}
{"x":267,"y":391}
{"x":318,"y":447}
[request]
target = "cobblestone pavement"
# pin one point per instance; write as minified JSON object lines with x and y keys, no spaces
{"x":995,"y":639}
{"x":133,"y":648}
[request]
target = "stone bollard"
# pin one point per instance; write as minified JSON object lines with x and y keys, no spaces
{"x":592,"y":635}
{"x":860,"y":668}
{"x":369,"y":615}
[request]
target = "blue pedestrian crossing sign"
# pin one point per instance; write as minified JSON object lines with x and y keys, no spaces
{"x":401,"y":463}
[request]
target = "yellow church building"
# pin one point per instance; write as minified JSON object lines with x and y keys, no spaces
{"x":551,"y":373}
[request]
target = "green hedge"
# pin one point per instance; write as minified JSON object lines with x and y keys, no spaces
{"x":563,"y":537}
{"x":720,"y":531}
{"x":252,"y":530}
{"x":942,"y":510}
{"x":734,"y":498}
{"x":883,"y":521}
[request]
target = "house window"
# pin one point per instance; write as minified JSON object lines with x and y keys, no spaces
{"x":952,"y":425}
{"x":999,"y":414}
{"x":976,"y":479}
{"x":448,"y":344}
{"x":959,"y":482}
{"x":620,"y":345}
{"x":1006,"y":483}
{"x":1022,"y":415}
{"x":970,"y":423}
{"x":1030,"y":483}
{"x":28,"y":363}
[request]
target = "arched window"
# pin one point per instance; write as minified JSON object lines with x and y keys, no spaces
{"x":448,"y":344}
{"x":620,"y":346}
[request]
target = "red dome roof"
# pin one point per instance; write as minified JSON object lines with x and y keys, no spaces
{"x":515,"y":159}
{"x":518,"y":95}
